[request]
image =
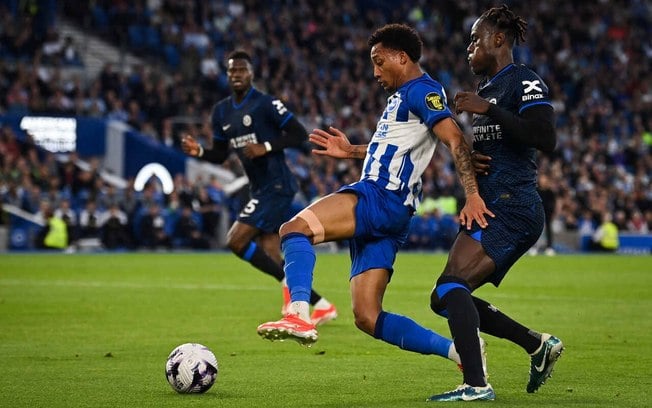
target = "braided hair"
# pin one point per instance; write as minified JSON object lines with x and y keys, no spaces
{"x":505,"y":20}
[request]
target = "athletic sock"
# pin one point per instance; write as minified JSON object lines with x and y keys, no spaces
{"x":498,"y":324}
{"x":315,"y":298}
{"x":408,"y":335}
{"x":464,"y":323}
{"x":300,"y":308}
{"x":299,"y":265}
{"x":257,"y":257}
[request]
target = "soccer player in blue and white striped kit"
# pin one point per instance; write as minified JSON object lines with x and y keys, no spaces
{"x":374,"y":213}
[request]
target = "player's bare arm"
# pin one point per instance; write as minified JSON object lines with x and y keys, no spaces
{"x":190,"y":146}
{"x":335,"y":144}
{"x":474,"y":209}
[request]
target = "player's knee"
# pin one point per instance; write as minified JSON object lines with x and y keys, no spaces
{"x":235,"y":247}
{"x":445,"y":284}
{"x":364,"y":320}
{"x":236,"y":243}
{"x":288,"y":227}
{"x":436,"y":304}
{"x":295,"y":225}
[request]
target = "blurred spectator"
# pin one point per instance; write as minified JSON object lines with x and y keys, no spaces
{"x":152,"y":228}
{"x":637,"y":224}
{"x":549,"y":199}
{"x":89,"y":221}
{"x":69,"y":216}
{"x":210,"y":210}
{"x":114,"y":228}
{"x":70,"y":55}
{"x":54,"y":235}
{"x":188,"y":232}
{"x":605,"y":238}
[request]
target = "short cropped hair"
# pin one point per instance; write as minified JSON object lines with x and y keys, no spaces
{"x":399,"y":37}
{"x":240,"y":54}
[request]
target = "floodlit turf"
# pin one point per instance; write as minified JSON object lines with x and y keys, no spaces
{"x":95,"y":331}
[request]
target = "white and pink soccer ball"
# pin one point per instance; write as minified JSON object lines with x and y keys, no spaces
{"x":191,"y":368}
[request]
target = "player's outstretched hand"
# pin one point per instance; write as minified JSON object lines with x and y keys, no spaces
{"x":480,"y":163}
{"x":475,"y":210}
{"x":189,"y":145}
{"x":333,"y":142}
{"x":470,"y":102}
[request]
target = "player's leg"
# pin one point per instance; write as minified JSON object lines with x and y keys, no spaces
{"x":323,"y":310}
{"x":241,"y":241}
{"x":493,"y":321}
{"x":331,"y":218}
{"x":367,"y":290}
{"x":466,"y":269}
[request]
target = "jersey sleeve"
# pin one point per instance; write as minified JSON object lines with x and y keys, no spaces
{"x":277,"y":111}
{"x":216,"y":124}
{"x":428,"y":101}
{"x":531,"y":91}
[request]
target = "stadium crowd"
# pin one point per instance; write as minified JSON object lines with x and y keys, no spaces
{"x":595,"y":58}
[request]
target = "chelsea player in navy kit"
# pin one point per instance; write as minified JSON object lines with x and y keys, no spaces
{"x":258,"y":127}
{"x":512,"y":118}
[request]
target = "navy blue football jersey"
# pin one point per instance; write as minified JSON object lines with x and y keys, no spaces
{"x":258,"y":118}
{"x":513,"y":166}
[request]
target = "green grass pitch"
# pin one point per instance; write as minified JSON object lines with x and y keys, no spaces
{"x":95,"y":330}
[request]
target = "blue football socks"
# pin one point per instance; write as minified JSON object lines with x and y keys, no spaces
{"x":299,"y":265}
{"x":408,"y":335}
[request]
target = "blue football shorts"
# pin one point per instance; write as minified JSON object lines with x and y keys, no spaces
{"x":382,"y":223}
{"x":267,"y":212}
{"x":509,"y":235}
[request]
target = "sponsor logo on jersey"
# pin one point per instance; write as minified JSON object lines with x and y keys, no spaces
{"x":485,"y":133}
{"x":434,"y":101}
{"x":529,"y":86}
{"x":280,"y":108}
{"x":242,"y":141}
{"x":530,"y":97}
{"x":381,"y":130}
{"x":393,"y":103}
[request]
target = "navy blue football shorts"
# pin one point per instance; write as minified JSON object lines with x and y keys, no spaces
{"x":509,"y":235}
{"x":381,"y":227}
{"x":267,"y":212}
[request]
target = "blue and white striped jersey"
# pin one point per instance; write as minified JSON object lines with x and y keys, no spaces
{"x":404,"y":143}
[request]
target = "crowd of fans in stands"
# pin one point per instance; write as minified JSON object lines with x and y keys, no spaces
{"x":595,"y":58}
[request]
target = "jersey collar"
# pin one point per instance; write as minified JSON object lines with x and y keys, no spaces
{"x":488,"y":82}
{"x":405,"y":84}
{"x":244,"y":100}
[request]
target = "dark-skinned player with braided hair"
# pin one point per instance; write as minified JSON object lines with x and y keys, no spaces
{"x":512,"y":119}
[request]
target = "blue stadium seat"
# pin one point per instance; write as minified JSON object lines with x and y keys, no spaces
{"x":136,"y":36}
{"x":152,"y":38}
{"x":171,"y":55}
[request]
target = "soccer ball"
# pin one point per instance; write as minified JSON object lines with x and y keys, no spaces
{"x":191,"y":368}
